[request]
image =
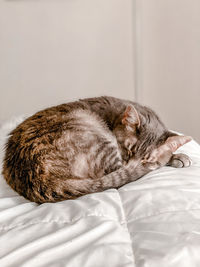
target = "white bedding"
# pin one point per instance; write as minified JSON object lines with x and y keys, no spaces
{"x":153,"y":222}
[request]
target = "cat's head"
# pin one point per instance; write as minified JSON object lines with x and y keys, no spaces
{"x":139,"y":131}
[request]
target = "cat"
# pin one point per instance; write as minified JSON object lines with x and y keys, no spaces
{"x":87,"y":146}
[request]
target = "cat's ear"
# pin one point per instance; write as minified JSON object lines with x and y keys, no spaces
{"x":170,"y":146}
{"x":174,"y":142}
{"x":131,"y":118}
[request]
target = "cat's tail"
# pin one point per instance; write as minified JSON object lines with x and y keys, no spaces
{"x":73,"y":187}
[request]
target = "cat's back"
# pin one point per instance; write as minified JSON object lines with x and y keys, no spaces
{"x":53,"y":142}
{"x":51,"y":124}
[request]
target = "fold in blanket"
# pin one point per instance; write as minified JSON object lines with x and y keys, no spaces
{"x":152,"y":222}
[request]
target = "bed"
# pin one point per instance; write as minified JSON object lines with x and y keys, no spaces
{"x":152,"y":222}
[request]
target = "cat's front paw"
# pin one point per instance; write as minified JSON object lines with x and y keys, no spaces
{"x":156,"y":159}
{"x":179,"y":161}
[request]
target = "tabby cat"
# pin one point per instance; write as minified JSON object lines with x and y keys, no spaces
{"x":87,"y":146}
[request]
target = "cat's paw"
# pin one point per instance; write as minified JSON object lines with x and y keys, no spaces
{"x":156,"y":159}
{"x":179,"y":161}
{"x":151,"y":166}
{"x":163,"y":155}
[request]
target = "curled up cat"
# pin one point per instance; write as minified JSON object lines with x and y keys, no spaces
{"x":87,"y":146}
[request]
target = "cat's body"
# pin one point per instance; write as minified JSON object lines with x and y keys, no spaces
{"x":82,"y":147}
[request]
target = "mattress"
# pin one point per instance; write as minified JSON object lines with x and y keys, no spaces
{"x":152,"y":222}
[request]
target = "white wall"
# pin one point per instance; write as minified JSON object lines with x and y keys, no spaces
{"x":53,"y":51}
{"x":168,"y":74}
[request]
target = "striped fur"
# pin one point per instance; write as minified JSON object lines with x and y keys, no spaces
{"x":81,"y":147}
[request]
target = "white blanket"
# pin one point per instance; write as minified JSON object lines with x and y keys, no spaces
{"x":153,"y":222}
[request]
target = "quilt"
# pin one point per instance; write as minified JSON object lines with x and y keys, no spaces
{"x":152,"y":222}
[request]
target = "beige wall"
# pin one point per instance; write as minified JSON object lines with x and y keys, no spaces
{"x":53,"y":51}
{"x":168,"y":70}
